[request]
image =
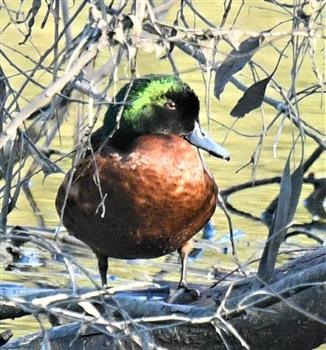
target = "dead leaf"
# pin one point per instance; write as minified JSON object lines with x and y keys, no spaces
{"x":170,"y":45}
{"x":137,"y":26}
{"x":47,"y":166}
{"x":36,"y":5}
{"x":251,"y":99}
{"x":234,"y":62}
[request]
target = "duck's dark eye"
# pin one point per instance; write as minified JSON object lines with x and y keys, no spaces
{"x":170,"y":105}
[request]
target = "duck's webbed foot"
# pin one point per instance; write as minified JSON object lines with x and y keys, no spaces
{"x":184,"y":294}
{"x":184,"y":288}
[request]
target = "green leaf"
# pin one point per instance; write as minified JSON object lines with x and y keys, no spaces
{"x":290,"y":190}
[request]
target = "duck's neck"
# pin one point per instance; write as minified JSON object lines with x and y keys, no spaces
{"x":122,"y":140}
{"x":119,"y":138}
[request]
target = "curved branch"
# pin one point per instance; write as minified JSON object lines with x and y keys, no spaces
{"x":45,"y":97}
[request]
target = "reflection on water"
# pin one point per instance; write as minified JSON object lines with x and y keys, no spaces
{"x":39,"y":268}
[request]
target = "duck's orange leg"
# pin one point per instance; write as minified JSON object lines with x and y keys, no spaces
{"x":184,"y":252}
{"x":183,"y":284}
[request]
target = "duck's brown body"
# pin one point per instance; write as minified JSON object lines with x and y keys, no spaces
{"x":154,"y":197}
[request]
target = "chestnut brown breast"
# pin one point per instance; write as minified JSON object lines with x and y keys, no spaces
{"x":142,"y":203}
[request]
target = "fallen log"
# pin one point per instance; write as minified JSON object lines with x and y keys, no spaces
{"x":289,"y":313}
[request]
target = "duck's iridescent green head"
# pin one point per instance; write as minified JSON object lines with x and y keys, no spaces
{"x":155,"y":105}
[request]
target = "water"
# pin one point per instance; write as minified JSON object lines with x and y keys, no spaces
{"x":39,"y":268}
